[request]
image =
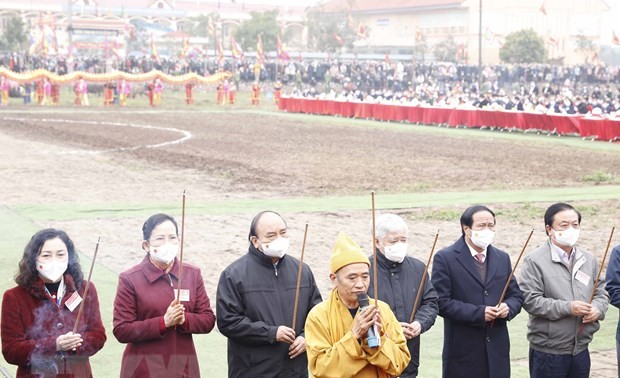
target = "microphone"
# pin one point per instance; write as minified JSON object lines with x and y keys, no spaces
{"x":372,"y":336}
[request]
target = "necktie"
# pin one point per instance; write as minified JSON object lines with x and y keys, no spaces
{"x":480,"y":257}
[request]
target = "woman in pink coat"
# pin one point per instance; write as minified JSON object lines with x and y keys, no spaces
{"x":148,"y":318}
{"x":39,"y":314}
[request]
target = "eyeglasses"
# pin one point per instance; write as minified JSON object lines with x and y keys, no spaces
{"x":158,"y":241}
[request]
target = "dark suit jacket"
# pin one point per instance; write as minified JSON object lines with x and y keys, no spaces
{"x":398,"y":286}
{"x":612,"y":277}
{"x":473,"y":348}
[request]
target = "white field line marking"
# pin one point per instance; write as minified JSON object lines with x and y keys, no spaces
{"x":186,"y":134}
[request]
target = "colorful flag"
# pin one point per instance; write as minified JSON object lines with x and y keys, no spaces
{"x":460,"y":52}
{"x":55,"y":41}
{"x":210,"y":26}
{"x":361,"y":31}
{"x":614,"y":38}
{"x":351,"y":22}
{"x":185,"y":47}
{"x":43,"y":42}
{"x":154,"y":53}
{"x":552,"y":41}
{"x":418,"y":35}
{"x":387,"y":57}
{"x":220,"y":52}
{"x":282,"y":55}
{"x":338,"y":39}
{"x":260,"y":52}
{"x":543,"y":9}
{"x":237,"y":52}
{"x":33,"y":44}
{"x":493,"y":38}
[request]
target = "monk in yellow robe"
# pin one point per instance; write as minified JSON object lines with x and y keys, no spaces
{"x":337,"y":329}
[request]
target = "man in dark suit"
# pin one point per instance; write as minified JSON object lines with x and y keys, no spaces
{"x":469,"y":277}
{"x":399,"y":278}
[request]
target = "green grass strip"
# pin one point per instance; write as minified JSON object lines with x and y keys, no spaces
{"x":71,"y":211}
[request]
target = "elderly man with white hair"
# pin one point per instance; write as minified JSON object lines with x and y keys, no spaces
{"x":398,"y":280}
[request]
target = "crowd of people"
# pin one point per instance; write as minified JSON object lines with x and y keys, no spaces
{"x":278,"y":325}
{"x":534,"y":88}
{"x":579,"y":89}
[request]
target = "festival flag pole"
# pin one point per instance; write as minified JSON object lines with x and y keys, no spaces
{"x":181,"y":249}
{"x":90,"y":274}
{"x":297,"y":288}
{"x":514,"y":268}
{"x":428,"y":263}
{"x":598,"y":276}
{"x":374,"y":250}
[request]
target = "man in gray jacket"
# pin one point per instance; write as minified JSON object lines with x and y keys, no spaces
{"x":557,"y":281}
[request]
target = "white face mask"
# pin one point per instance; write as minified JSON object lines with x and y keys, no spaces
{"x":482,"y":238}
{"x":276,"y":248}
{"x":567,"y":237}
{"x":164,"y":253}
{"x":52,"y":270}
{"x":396,"y":252}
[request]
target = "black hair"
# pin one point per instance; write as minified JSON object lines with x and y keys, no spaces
{"x":257,"y":217}
{"x":27,"y":273}
{"x":556,"y":208}
{"x":467,"y":219}
{"x":154,"y":221}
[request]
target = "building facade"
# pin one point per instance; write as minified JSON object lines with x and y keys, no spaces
{"x":405,"y":27}
{"x":110,"y":22}
{"x":401,"y":26}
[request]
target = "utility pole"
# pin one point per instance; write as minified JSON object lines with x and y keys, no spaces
{"x":70,"y":36}
{"x":480,"y":50}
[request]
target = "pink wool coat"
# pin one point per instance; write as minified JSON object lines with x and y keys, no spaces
{"x":31,"y":322}
{"x":143,"y":295}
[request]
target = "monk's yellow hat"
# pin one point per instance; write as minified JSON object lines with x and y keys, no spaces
{"x":346,"y":252}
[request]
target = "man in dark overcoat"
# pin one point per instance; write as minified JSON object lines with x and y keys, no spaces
{"x":469,"y":277}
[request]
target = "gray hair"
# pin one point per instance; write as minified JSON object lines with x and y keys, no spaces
{"x":389,"y":223}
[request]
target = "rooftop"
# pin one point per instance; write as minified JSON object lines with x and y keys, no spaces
{"x":374,"y":6}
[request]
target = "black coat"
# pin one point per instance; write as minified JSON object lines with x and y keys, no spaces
{"x":254,"y":298}
{"x":471,"y":347}
{"x":398,"y":286}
